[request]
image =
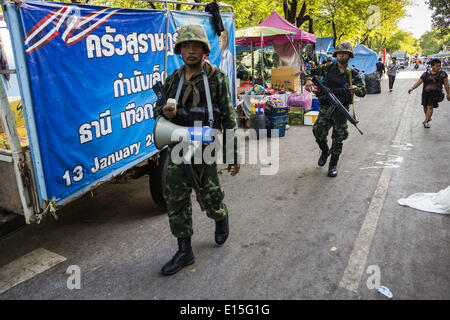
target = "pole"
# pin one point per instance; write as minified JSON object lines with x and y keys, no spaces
{"x":262,"y":61}
{"x":166,"y":42}
{"x":253,"y":66}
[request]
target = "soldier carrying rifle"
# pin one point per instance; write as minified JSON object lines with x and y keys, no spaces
{"x":343,"y":82}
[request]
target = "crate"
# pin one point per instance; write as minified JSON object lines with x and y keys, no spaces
{"x":276,"y":120}
{"x":310,"y":118}
{"x":280,"y":127}
{"x":296,"y":118}
{"x":275,"y":112}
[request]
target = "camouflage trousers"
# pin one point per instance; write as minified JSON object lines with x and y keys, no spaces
{"x":177,"y":194}
{"x":323,"y":125}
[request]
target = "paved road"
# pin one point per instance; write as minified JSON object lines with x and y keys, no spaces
{"x":294,"y":235}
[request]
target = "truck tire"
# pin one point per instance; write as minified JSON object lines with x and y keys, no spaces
{"x":157,"y":179}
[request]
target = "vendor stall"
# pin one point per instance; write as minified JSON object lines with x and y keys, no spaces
{"x":287,"y":42}
{"x":250,"y":35}
{"x":288,"y":47}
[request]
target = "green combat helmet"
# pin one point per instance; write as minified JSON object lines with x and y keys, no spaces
{"x":192,"y":32}
{"x":344,"y":47}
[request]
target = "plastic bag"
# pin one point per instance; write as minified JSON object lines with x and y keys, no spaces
{"x":431,"y":202}
{"x":372,"y":83}
{"x":303,"y":100}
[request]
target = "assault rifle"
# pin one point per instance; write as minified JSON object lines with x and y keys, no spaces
{"x":335,"y":103}
{"x":188,"y":169}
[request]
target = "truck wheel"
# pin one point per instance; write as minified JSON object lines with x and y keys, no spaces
{"x":157,"y":175}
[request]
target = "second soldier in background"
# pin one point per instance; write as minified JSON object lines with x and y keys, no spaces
{"x":343,"y":82}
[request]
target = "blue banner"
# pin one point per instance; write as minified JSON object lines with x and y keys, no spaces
{"x":92,"y":70}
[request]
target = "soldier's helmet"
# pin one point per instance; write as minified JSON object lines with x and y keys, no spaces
{"x":192,"y":32}
{"x":344,"y":47}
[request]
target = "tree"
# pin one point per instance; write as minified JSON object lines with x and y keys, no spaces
{"x":381,"y":16}
{"x":290,"y":14}
{"x":441,"y":14}
{"x":252,"y":12}
{"x":432,"y":41}
{"x":125,"y":4}
{"x":404,"y":41}
{"x":339,"y":18}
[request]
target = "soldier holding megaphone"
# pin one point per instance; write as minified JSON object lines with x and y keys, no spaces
{"x":197,"y":92}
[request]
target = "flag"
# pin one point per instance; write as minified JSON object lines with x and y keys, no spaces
{"x":65,"y":21}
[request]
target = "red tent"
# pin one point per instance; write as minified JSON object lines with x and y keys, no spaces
{"x":277,"y":21}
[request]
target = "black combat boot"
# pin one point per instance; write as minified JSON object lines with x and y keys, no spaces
{"x":332,"y":170}
{"x":323,"y":157}
{"x":181,"y":259}
{"x":222,"y":230}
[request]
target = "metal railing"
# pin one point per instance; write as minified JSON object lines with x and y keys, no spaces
{"x":193,"y":4}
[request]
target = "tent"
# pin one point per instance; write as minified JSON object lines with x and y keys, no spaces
{"x":440,"y":55}
{"x":277,"y":21}
{"x":365,"y":59}
{"x":285,"y":45}
{"x":288,"y":46}
{"x":252,"y":34}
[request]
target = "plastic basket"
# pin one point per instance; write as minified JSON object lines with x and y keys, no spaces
{"x":274,"y":112}
{"x":276,"y":120}
{"x":280,"y":127}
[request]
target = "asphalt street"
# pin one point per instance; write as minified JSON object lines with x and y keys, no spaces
{"x":297,"y":234}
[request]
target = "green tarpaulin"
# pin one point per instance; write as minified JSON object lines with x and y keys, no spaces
{"x":270,"y":62}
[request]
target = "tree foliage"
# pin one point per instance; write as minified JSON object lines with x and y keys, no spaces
{"x":402,"y":40}
{"x":373,"y":23}
{"x":432,"y":42}
{"x":441,"y":14}
{"x":369,"y":22}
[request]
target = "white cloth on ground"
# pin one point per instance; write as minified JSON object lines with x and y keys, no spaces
{"x":430,"y":202}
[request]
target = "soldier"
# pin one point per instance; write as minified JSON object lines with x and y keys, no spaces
{"x":344,"y":82}
{"x":192,"y":43}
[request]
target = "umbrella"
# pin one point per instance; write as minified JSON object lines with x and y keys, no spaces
{"x":254,"y":33}
{"x":258,"y":33}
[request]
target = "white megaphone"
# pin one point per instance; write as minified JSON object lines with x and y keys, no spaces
{"x":166,"y":132}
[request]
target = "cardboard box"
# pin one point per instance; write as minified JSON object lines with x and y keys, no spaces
{"x":23,"y":137}
{"x":286,"y":78}
{"x":296,"y":118}
{"x":16,"y":107}
{"x":295,"y":109}
{"x":310,"y":118}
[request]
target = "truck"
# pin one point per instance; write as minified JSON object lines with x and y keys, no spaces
{"x":85,"y":75}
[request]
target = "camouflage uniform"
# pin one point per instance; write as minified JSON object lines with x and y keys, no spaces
{"x":337,"y":119}
{"x":177,"y":192}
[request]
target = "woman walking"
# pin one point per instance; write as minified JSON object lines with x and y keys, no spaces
{"x":432,"y":92}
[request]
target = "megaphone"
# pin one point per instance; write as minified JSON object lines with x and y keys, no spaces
{"x":166,"y":132}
